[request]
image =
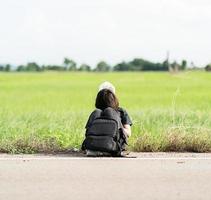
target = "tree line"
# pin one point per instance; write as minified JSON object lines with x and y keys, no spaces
{"x":137,"y":64}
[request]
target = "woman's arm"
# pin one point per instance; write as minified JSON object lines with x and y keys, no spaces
{"x":127,"y":130}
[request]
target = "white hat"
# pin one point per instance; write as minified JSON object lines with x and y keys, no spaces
{"x":107,"y":85}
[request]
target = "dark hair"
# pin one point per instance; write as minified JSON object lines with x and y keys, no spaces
{"x":105,"y":98}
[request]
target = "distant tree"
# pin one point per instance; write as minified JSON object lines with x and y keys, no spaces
{"x":139,"y":64}
{"x":123,"y":66}
{"x":102,"y":67}
{"x":32,"y":66}
{"x":7,"y":68}
{"x":166,"y":65}
{"x":208,"y":68}
{"x":84,"y":67}
{"x":66,"y":61}
{"x":183,"y":65}
{"x":70,"y":64}
{"x":54,"y":67}
{"x":20,"y":68}
{"x":136,"y":64}
{"x":1,"y":68}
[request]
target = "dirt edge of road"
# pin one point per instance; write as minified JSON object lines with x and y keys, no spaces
{"x":131,"y":155}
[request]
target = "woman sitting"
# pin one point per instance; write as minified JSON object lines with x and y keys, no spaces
{"x":101,"y":136}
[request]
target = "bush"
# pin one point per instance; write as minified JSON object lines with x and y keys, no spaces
{"x":208,"y":67}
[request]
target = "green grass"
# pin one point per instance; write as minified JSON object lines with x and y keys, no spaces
{"x":45,"y":112}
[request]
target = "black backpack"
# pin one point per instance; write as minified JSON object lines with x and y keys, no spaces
{"x":104,"y":135}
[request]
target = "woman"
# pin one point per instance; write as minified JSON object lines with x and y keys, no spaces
{"x":108,"y":104}
{"x":106,"y":98}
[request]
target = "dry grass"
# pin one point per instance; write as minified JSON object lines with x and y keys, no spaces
{"x":31,"y":145}
{"x":176,"y":139}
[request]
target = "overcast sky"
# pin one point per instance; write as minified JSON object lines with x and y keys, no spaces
{"x":88,"y":31}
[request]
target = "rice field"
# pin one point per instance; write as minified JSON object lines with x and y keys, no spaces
{"x":47,"y":112}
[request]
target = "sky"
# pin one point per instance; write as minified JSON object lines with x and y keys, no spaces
{"x":89,"y":31}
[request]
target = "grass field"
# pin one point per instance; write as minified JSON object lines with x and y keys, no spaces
{"x":48,"y":111}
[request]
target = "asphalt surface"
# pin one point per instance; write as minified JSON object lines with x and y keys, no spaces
{"x":148,"y":176}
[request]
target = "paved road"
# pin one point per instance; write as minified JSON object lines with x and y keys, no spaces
{"x":149,"y":176}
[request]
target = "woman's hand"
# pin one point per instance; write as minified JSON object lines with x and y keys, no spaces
{"x":127,"y":130}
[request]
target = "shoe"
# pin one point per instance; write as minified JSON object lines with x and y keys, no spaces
{"x":125,"y":153}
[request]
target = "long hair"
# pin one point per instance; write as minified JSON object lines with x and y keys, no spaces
{"x":105,"y":98}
